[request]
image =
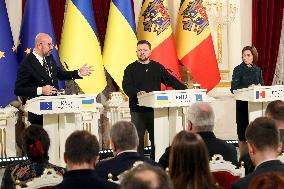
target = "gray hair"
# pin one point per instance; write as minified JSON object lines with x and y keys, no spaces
{"x":124,"y":135}
{"x":201,"y":116}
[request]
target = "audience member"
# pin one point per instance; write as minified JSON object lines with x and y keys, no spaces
{"x":145,"y":176}
{"x":35,"y":145}
{"x":81,"y":154}
{"x":275,"y":111}
{"x":264,"y":146}
{"x":124,"y":143}
{"x":189,"y":163}
{"x":201,"y":120}
{"x":270,"y":180}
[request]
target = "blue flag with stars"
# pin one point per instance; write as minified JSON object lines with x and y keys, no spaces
{"x":8,"y":59}
{"x":36,"y":19}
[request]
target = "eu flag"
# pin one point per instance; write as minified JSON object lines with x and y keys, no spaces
{"x":8,"y":59}
{"x":36,"y":19}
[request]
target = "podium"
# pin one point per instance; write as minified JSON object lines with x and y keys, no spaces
{"x":169,"y":107}
{"x":62,"y":115}
{"x":8,"y":120}
{"x":258,"y":97}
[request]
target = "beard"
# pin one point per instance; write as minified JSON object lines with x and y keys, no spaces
{"x":143,"y":59}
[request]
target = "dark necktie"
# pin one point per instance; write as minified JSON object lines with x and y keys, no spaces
{"x":46,"y":67}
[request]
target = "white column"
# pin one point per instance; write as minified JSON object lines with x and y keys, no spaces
{"x":14,"y":9}
{"x":235,"y":40}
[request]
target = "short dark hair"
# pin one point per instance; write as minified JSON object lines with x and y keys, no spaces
{"x":36,"y":143}
{"x":82,"y":147}
{"x":144,"y":42}
{"x":130,"y":180}
{"x":124,"y":135}
{"x":263,"y":134}
{"x":253,"y":51}
{"x":275,"y":110}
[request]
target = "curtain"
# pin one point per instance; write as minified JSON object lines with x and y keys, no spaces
{"x":57,"y":10}
{"x":267,"y":18}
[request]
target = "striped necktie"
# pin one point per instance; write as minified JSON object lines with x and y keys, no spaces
{"x":45,"y":65}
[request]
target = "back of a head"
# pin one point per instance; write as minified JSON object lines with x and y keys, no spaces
{"x":269,"y":180}
{"x":145,"y":176}
{"x":275,"y":110}
{"x":36,"y":143}
{"x":81,"y":147}
{"x":201,"y":116}
{"x":189,"y":162}
{"x":263,"y":134}
{"x":124,"y":135}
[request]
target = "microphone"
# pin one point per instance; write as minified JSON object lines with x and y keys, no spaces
{"x":67,"y":67}
{"x":173,"y":73}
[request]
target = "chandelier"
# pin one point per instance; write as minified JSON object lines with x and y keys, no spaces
{"x":221,"y":13}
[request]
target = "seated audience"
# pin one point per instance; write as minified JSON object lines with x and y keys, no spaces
{"x":275,"y":111}
{"x":189,"y":163}
{"x":124,"y":142}
{"x":145,"y":176}
{"x":264,"y":146}
{"x":81,"y":154}
{"x":201,"y":120}
{"x":35,"y":145}
{"x":269,"y":180}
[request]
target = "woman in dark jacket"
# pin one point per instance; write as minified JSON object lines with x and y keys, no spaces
{"x":245,"y":75}
{"x":35,"y":144}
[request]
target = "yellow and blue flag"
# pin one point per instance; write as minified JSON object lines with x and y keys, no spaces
{"x":36,"y":19}
{"x":79,"y":45}
{"x":8,"y":59}
{"x":120,"y":41}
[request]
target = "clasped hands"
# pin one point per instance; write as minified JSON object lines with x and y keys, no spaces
{"x":49,"y":90}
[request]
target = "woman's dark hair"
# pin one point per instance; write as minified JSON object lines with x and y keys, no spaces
{"x":269,"y":180}
{"x":189,"y":162}
{"x":253,"y":51}
{"x":36,"y":143}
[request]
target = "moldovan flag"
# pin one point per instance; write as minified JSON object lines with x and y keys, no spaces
{"x":8,"y":59}
{"x":80,"y":45}
{"x":120,"y":41}
{"x":155,"y":26}
{"x":194,"y":44}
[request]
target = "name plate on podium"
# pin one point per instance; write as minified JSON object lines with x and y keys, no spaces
{"x":260,"y":93}
{"x":62,"y":104}
{"x":172,"y":98}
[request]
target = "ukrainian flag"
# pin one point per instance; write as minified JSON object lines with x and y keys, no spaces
{"x":120,"y":42}
{"x":80,"y":45}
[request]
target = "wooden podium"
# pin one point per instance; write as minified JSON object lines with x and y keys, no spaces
{"x":258,"y":97}
{"x":62,"y":115}
{"x":168,"y":113}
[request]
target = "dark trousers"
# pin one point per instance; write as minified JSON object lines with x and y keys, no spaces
{"x":35,"y":119}
{"x":144,"y":121}
{"x":242,"y":118}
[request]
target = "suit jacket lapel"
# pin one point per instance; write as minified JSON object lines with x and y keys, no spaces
{"x":40,"y":69}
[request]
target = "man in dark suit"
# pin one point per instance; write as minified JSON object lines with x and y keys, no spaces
{"x":81,"y":154}
{"x":124,"y":142}
{"x":275,"y":111}
{"x":38,"y":73}
{"x":201,"y":121}
{"x":264,"y":146}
